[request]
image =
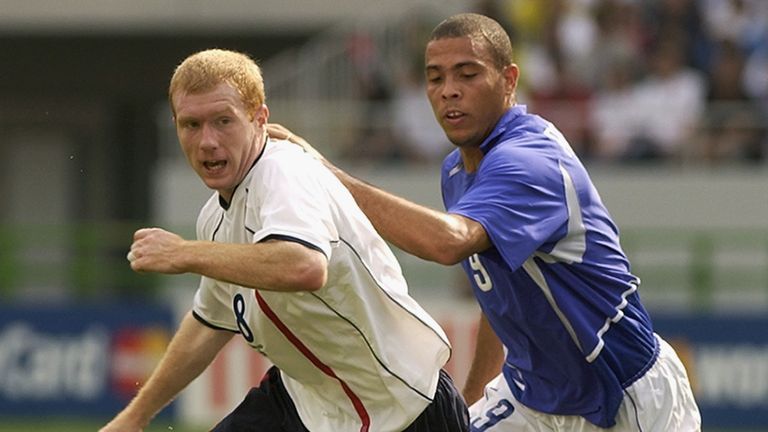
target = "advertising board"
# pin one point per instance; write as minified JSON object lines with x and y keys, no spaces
{"x":78,"y":360}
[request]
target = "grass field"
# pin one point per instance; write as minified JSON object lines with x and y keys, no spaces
{"x":68,"y":425}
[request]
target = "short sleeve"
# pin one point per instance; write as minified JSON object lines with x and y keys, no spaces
{"x":293,"y":202}
{"x":212,"y":305}
{"x":519,"y":200}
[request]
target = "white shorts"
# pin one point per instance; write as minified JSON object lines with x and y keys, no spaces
{"x":660,"y":401}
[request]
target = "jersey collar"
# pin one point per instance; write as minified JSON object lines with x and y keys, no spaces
{"x":502,"y":126}
{"x":224,"y":204}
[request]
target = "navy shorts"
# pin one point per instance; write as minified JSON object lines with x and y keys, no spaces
{"x":269,"y":408}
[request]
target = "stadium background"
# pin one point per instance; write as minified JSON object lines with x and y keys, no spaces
{"x":90,"y":155}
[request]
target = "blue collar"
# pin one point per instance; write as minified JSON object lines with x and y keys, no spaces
{"x":502,"y":126}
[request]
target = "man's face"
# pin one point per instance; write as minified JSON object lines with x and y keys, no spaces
{"x":468,"y":94}
{"x":220,"y":139}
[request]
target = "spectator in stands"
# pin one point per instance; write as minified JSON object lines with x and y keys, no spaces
{"x":621,"y":35}
{"x":414,"y":128}
{"x":683,"y":17}
{"x":734,"y":125}
{"x":743,"y":22}
{"x":565,"y":98}
{"x":669,"y":101}
{"x":614,"y":117}
{"x":373,"y":140}
{"x":566,"y":103}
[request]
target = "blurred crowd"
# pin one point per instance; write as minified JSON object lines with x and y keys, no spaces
{"x":682,"y":81}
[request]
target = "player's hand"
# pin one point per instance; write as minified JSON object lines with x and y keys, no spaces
{"x":278,"y":131}
{"x":156,"y":250}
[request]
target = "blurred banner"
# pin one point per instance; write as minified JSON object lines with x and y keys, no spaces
{"x":88,"y":361}
{"x":726,"y":357}
{"x":78,"y":360}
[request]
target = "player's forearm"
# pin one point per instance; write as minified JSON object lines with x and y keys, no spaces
{"x":487,"y":362}
{"x":272,"y":265}
{"x":173,"y":374}
{"x":427,"y":233}
{"x":418,"y":230}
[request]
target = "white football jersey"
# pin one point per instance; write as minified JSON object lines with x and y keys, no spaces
{"x":358,"y":354}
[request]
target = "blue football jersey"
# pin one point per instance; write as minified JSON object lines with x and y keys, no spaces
{"x":555,"y":285}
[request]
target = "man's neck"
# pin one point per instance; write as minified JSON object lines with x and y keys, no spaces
{"x":471,"y":157}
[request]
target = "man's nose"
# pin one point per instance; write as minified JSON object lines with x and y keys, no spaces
{"x":208,"y":138}
{"x":450,"y":89}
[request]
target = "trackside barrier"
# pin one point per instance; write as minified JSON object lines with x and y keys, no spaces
{"x":89,"y":360}
{"x":78,"y":360}
{"x":726,"y":356}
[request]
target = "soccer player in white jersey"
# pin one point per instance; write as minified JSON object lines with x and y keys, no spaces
{"x":564,"y":343}
{"x":291,"y":264}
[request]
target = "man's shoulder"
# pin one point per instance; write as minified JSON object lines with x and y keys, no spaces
{"x":528,"y":138}
{"x":283,"y":157}
{"x":527,"y":151}
{"x":278,"y":150}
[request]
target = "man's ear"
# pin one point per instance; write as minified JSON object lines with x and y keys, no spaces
{"x":511,"y":76}
{"x":260,"y":115}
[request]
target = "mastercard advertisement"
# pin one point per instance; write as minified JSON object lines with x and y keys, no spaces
{"x":78,"y":360}
{"x":135,"y":352}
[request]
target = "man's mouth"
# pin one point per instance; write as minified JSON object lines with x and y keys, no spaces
{"x":453,"y":116}
{"x":216,"y":165}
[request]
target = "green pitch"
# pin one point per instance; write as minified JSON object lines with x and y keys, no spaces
{"x":68,"y":425}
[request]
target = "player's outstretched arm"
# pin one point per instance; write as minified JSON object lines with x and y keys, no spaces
{"x":192,"y":349}
{"x":427,"y":233}
{"x":273,"y":265}
{"x":432,"y":235}
{"x":486,"y":364}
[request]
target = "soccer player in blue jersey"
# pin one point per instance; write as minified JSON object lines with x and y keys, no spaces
{"x":564,"y":343}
